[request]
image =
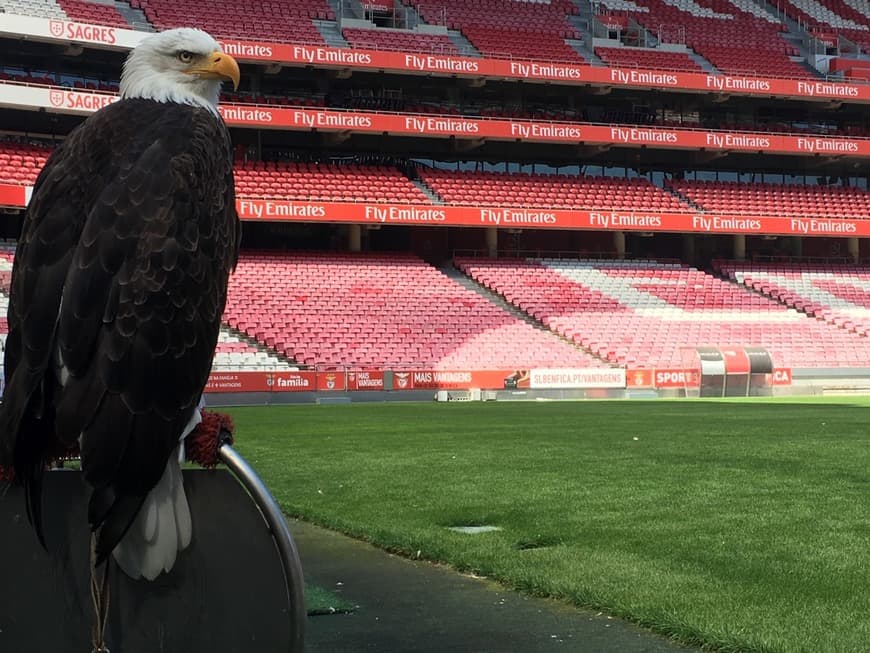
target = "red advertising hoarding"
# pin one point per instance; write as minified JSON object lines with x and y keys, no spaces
{"x":222,"y":382}
{"x":365,"y":380}
{"x":420,"y":125}
{"x":522,"y":218}
{"x":780,"y":376}
{"x":540,"y":71}
{"x":373,"y":380}
{"x":449,"y":380}
{"x":31,"y":96}
{"x":675,"y":378}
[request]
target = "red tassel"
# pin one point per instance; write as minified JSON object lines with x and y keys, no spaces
{"x":203,"y":443}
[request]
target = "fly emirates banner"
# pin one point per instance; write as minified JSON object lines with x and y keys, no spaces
{"x":440,"y":215}
{"x":64,"y":100}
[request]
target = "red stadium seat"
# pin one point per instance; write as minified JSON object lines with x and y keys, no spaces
{"x":393,"y":311}
{"x":643,"y":313}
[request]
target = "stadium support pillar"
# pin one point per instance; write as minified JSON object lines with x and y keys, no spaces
{"x":854,"y":250}
{"x":689,"y":248}
{"x":619,"y":243}
{"x":354,"y":238}
{"x":797,"y":246}
{"x":492,"y":242}
{"x":740,"y":247}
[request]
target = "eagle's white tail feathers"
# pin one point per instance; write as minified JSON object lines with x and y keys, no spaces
{"x":163,"y":526}
{"x":161,"y":529}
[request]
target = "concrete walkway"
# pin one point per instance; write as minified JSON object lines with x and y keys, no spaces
{"x":415,"y":607}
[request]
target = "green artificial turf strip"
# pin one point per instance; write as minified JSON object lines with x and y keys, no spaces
{"x":319,"y":601}
{"x":743,"y":526}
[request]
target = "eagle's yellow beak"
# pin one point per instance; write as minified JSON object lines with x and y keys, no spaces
{"x":218,"y":65}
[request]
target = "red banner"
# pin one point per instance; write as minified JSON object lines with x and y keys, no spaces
{"x":537,"y":71}
{"x":673,"y":378}
{"x":309,"y":381}
{"x":449,"y":380}
{"x":262,"y":382}
{"x":32,"y":97}
{"x":13,"y":195}
{"x":522,"y":218}
{"x":541,"y":132}
{"x":439,"y":215}
{"x":613,"y":22}
{"x":640,"y":378}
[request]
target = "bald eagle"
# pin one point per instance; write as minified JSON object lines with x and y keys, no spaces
{"x":117,"y":290}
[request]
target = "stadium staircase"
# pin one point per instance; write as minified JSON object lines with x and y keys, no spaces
{"x":464,"y":279}
{"x":331,"y":34}
{"x":432,"y":195}
{"x":235,"y":352}
{"x":462,"y":44}
{"x":135,"y":17}
{"x":452,"y":272}
{"x":582,"y":22}
{"x":705,"y":65}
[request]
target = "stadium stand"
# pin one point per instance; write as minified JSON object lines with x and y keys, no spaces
{"x":286,"y":100}
{"x":392,"y":39}
{"x":644,"y":313}
{"x":545,"y":190}
{"x":274,"y":20}
{"x":20,"y":163}
{"x":38,"y":8}
{"x":313,"y":181}
{"x":647,"y":58}
{"x":509,"y":29}
{"x":356,"y":310}
{"x":235,"y":354}
{"x":231,"y":354}
{"x":837,"y":294}
{"x":836,"y":17}
{"x":83,"y":11}
{"x":775,"y":199}
{"x":723,"y":33}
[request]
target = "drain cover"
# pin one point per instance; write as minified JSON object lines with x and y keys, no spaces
{"x":474,"y":530}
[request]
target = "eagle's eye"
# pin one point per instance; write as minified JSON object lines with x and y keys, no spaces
{"x":185,"y":57}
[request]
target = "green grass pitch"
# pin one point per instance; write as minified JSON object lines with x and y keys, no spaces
{"x":737,"y":525}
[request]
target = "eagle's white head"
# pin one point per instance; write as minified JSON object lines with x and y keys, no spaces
{"x":182,"y":65}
